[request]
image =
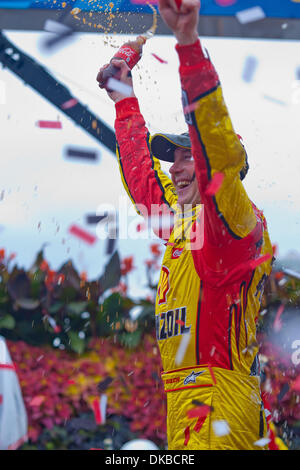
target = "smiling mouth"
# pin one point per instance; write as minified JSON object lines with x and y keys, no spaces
{"x":183,"y":185}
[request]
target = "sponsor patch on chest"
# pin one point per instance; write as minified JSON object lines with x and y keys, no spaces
{"x":176,"y":252}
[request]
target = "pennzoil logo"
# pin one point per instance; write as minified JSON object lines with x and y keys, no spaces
{"x":171,"y":323}
{"x":164,"y":286}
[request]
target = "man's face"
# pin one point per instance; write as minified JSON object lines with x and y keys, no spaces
{"x":183,"y":177}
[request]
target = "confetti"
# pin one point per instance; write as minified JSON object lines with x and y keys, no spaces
{"x":277,"y":325}
{"x":256,"y":262}
{"x":37,"y":400}
{"x":225,"y":3}
{"x":220,"y":427}
{"x":274,"y":100}
{"x":78,"y":153}
{"x":190,"y":107}
{"x":182,"y":348}
{"x":69,"y":104}
{"x":110,"y":246}
{"x":212,"y":373}
{"x":2,"y":92}
{"x":249,"y":69}
{"x":99,"y":409}
{"x":52,"y":26}
{"x":200,"y":411}
{"x":141,"y":227}
{"x":291,"y":273}
{"x":186,"y":435}
{"x":215,"y":184}
{"x":95,"y":219}
{"x":58,"y":39}
{"x":283,"y":391}
{"x":82,"y":234}
{"x":262,"y":442}
{"x":250,"y":14}
{"x":121,"y":87}
{"x":102,"y":386}
{"x":162,"y":61}
{"x":49,"y":124}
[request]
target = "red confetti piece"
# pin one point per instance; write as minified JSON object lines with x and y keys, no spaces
{"x":275,"y":249}
{"x":186,"y":435}
{"x":212,"y":374}
{"x":256,"y":262}
{"x":37,"y":400}
{"x":80,"y":233}
{"x":97,"y":411}
{"x":215,"y":184}
{"x":140,"y":227}
{"x":7,"y":366}
{"x":277,"y":325}
{"x":226,"y":3}
{"x":49,"y":124}
{"x":198,"y":412}
{"x":69,"y":104}
{"x":200,"y":423}
{"x":178,"y":3}
{"x":162,"y":61}
{"x":180,"y":322}
{"x":190,"y":107}
{"x":1,"y":399}
{"x":296,"y":384}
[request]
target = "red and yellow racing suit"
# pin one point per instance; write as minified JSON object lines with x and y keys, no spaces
{"x":210,"y":286}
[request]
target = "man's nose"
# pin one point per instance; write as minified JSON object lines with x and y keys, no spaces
{"x":175,"y":168}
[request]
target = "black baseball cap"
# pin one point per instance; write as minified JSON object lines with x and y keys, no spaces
{"x":162,"y":146}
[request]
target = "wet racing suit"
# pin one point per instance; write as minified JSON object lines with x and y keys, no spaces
{"x":210,"y":285}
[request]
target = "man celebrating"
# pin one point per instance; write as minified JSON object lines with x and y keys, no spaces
{"x":218,"y":255}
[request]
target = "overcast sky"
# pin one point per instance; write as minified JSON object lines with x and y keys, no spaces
{"x":43,"y":193}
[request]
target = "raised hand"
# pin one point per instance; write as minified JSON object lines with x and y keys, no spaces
{"x":124,"y":75}
{"x":182,"y":17}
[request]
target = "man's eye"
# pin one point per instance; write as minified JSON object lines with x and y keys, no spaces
{"x":188,"y":157}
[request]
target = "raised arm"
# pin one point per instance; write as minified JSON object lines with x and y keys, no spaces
{"x":148,"y":187}
{"x":216,"y":148}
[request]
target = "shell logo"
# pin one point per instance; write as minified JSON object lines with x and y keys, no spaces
{"x":164,"y":286}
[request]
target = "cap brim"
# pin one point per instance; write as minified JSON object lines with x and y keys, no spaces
{"x":163,"y":145}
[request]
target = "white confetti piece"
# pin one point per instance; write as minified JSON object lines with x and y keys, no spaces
{"x":250,"y":14}
{"x":291,"y":273}
{"x":52,"y":26}
{"x":2,"y":92}
{"x":249,"y":69}
{"x":182,"y":348}
{"x":103,"y":404}
{"x":116,"y":85}
{"x":221,"y":427}
{"x":262,"y":442}
{"x":267,"y":413}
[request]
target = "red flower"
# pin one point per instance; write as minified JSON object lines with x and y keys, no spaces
{"x":2,"y":254}
{"x":44,"y":266}
{"x":127,"y":265}
{"x":155,"y":249}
